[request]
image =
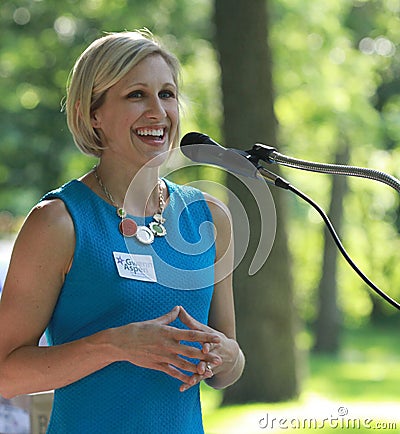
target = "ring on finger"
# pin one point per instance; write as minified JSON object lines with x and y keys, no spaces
{"x":208,"y":367}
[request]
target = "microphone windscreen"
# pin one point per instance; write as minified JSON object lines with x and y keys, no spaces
{"x":195,"y":138}
{"x":200,"y":148}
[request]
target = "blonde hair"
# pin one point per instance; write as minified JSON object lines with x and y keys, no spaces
{"x":99,"y":67}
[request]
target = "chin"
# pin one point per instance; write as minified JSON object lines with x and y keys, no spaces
{"x":157,"y":159}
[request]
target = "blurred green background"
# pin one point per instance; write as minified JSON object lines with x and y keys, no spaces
{"x":335,"y":72}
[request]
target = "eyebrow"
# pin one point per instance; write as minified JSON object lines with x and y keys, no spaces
{"x":146,"y":85}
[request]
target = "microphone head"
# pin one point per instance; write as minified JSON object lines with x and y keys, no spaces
{"x":200,"y":148}
{"x":196,"y":146}
{"x":195,"y":138}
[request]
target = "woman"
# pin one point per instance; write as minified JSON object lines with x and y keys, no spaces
{"x":129,"y":274}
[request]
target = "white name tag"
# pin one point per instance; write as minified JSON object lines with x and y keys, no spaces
{"x":136,"y":267}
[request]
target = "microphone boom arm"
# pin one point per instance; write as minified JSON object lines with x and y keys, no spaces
{"x":233,"y":160}
{"x":270,"y":155}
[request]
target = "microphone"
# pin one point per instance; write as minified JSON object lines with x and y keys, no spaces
{"x":200,"y":148}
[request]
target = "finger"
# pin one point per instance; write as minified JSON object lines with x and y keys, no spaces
{"x":196,"y":353}
{"x":190,"y":322}
{"x":195,"y":379}
{"x":207,"y":347}
{"x":186,"y":365}
{"x":209,"y":371}
{"x":169,"y":317}
{"x":206,"y":368}
{"x":197,"y":336}
{"x":187,"y":380}
{"x":201,"y":367}
{"x":172,"y":371}
{"x":186,"y":386}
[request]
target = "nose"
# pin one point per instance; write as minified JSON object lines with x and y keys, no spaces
{"x":156,"y":109}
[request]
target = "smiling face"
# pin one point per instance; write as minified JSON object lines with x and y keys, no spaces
{"x":139,"y":117}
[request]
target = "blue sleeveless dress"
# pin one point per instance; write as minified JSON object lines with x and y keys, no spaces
{"x":123,"y":398}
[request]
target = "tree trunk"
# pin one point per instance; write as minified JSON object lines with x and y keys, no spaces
{"x":328,"y":322}
{"x":264,"y":301}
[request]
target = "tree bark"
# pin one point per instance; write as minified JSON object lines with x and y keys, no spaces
{"x":328,"y":321}
{"x":264,"y":302}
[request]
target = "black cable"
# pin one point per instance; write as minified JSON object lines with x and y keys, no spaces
{"x":272,"y":178}
{"x":339,"y":244}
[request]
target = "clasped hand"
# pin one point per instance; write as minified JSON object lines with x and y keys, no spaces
{"x":155,"y":344}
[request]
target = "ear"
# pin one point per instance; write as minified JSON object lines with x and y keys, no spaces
{"x":94,"y":120}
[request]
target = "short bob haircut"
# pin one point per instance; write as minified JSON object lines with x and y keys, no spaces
{"x":99,"y":67}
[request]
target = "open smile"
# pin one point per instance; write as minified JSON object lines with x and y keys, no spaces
{"x":149,"y":134}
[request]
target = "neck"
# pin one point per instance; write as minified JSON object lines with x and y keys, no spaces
{"x":136,"y":191}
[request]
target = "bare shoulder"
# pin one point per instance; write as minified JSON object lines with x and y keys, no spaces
{"x":48,"y":221}
{"x":49,"y":216}
{"x":47,"y":231}
{"x":51,"y":210}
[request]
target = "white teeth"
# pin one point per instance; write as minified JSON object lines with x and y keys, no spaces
{"x":148,"y":132}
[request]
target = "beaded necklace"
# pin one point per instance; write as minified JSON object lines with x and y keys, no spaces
{"x":128,"y":227}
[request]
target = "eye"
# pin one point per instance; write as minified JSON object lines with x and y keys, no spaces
{"x":135,"y":94}
{"x":165,"y":94}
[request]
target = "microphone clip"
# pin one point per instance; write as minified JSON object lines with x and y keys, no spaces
{"x":261,"y":152}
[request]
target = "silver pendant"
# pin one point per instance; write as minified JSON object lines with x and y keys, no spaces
{"x":144,"y":235}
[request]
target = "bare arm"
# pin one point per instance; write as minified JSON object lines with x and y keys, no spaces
{"x":41,"y":258}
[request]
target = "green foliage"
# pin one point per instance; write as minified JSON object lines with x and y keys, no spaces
{"x":41,"y":40}
{"x":335,"y":75}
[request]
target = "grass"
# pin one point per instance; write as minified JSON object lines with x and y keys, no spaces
{"x":356,"y":391}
